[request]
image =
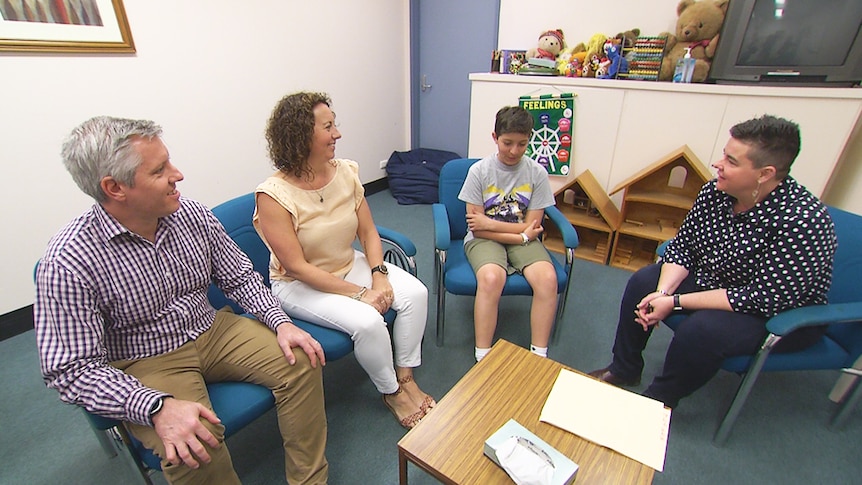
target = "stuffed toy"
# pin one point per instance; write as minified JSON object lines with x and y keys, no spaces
{"x":595,"y":48}
{"x":549,"y":46}
{"x":628,"y":38}
{"x":697,"y":27}
{"x":614,"y":62}
{"x":570,"y":60}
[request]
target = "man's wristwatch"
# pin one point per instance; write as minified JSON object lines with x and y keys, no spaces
{"x":381,"y":268}
{"x":677,"y":306}
{"x":157,"y":406}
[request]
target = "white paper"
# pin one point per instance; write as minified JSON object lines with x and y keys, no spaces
{"x":631,"y":424}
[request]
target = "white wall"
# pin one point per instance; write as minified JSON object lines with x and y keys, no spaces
{"x":521,"y":21}
{"x":209,"y":72}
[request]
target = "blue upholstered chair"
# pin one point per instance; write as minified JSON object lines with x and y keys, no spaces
{"x":239,"y":403}
{"x":452,"y":272}
{"x":838,"y":349}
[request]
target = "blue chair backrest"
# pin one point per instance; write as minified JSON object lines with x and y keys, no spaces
{"x":846,"y":287}
{"x":235,"y":215}
{"x":452,"y":177}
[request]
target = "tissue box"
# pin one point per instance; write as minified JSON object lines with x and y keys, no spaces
{"x":564,"y":468}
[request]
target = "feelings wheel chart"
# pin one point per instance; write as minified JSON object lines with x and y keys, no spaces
{"x":545,"y":145}
{"x":550,"y":144}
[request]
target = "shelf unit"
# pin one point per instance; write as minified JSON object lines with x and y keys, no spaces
{"x":654,"y":203}
{"x":593,"y":215}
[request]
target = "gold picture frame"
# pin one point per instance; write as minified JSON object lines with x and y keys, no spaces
{"x":70,"y":26}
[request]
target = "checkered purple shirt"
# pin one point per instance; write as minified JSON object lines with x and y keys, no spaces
{"x":105,"y":294}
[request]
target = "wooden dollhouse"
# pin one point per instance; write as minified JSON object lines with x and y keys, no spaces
{"x":654,"y":203}
{"x":593,"y":215}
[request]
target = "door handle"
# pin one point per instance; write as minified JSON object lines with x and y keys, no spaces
{"x":425,"y":86}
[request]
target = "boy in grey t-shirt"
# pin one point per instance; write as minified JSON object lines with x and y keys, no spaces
{"x":506,"y":195}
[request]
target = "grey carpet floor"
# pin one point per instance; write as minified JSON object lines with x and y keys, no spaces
{"x":781,"y":436}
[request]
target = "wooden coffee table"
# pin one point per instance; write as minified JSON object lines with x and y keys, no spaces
{"x":510,"y":382}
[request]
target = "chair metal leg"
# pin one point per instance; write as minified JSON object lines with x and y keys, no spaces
{"x":119,"y":441}
{"x":851,"y":398}
{"x":562,"y":298}
{"x":106,"y":438}
{"x":744,"y":389}
{"x":439,"y":262}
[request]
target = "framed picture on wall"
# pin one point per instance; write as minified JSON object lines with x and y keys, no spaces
{"x":64,"y":26}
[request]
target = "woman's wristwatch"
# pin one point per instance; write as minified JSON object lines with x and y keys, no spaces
{"x":677,"y":306}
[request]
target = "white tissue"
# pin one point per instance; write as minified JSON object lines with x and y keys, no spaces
{"x":523,"y":465}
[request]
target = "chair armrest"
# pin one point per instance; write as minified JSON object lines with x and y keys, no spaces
{"x":570,"y":236}
{"x":786,"y":322}
{"x":441,"y":226}
{"x":397,"y":239}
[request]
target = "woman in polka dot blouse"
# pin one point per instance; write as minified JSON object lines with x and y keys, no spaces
{"x":754,"y":244}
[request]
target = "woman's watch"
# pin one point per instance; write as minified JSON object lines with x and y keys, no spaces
{"x":381,"y":268}
{"x":677,"y":306}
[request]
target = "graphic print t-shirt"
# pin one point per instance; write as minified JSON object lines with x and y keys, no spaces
{"x":506,"y":192}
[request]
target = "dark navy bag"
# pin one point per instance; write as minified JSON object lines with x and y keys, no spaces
{"x":413,"y":175}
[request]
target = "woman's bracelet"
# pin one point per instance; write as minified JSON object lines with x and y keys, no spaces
{"x":663,"y":292}
{"x":526,"y":238}
{"x":360,"y":293}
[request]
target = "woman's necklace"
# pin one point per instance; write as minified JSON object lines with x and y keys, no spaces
{"x":319,"y":192}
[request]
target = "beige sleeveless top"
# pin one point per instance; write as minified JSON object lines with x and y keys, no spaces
{"x":326,"y":230}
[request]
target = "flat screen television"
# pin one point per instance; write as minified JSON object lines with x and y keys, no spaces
{"x":790,"y":42}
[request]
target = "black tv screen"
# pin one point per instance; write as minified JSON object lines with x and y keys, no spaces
{"x":798,"y":42}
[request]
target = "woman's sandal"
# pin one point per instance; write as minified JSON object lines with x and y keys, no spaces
{"x":408,"y":422}
{"x":427,"y":403}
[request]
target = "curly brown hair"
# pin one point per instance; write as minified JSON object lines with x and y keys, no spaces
{"x":289,"y":131}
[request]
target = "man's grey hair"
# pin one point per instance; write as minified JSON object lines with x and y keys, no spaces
{"x":102,"y":147}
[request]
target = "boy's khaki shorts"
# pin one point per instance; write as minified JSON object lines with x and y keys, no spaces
{"x":512,"y":257}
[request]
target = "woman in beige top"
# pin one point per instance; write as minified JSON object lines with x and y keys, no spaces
{"x":309,"y":213}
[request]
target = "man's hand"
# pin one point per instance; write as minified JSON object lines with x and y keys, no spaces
{"x":290,"y":336}
{"x":178,"y":425}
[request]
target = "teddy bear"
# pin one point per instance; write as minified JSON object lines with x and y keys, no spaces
{"x":628,"y":38}
{"x":697,"y":27}
{"x":549,"y":46}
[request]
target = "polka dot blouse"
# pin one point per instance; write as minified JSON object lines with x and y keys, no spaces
{"x":773,"y":257}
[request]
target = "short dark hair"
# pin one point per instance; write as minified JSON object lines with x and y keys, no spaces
{"x":513,"y":119}
{"x":289,"y":131}
{"x":771,"y":140}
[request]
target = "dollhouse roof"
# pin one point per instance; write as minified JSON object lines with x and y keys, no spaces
{"x":607,"y":209}
{"x":683,"y":153}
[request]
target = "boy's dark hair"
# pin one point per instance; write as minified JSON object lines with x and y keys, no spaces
{"x":513,"y":119}
{"x":772,"y":141}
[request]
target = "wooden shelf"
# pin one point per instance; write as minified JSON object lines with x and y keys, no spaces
{"x":653,"y":232}
{"x":632,"y":253}
{"x":661,"y":198}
